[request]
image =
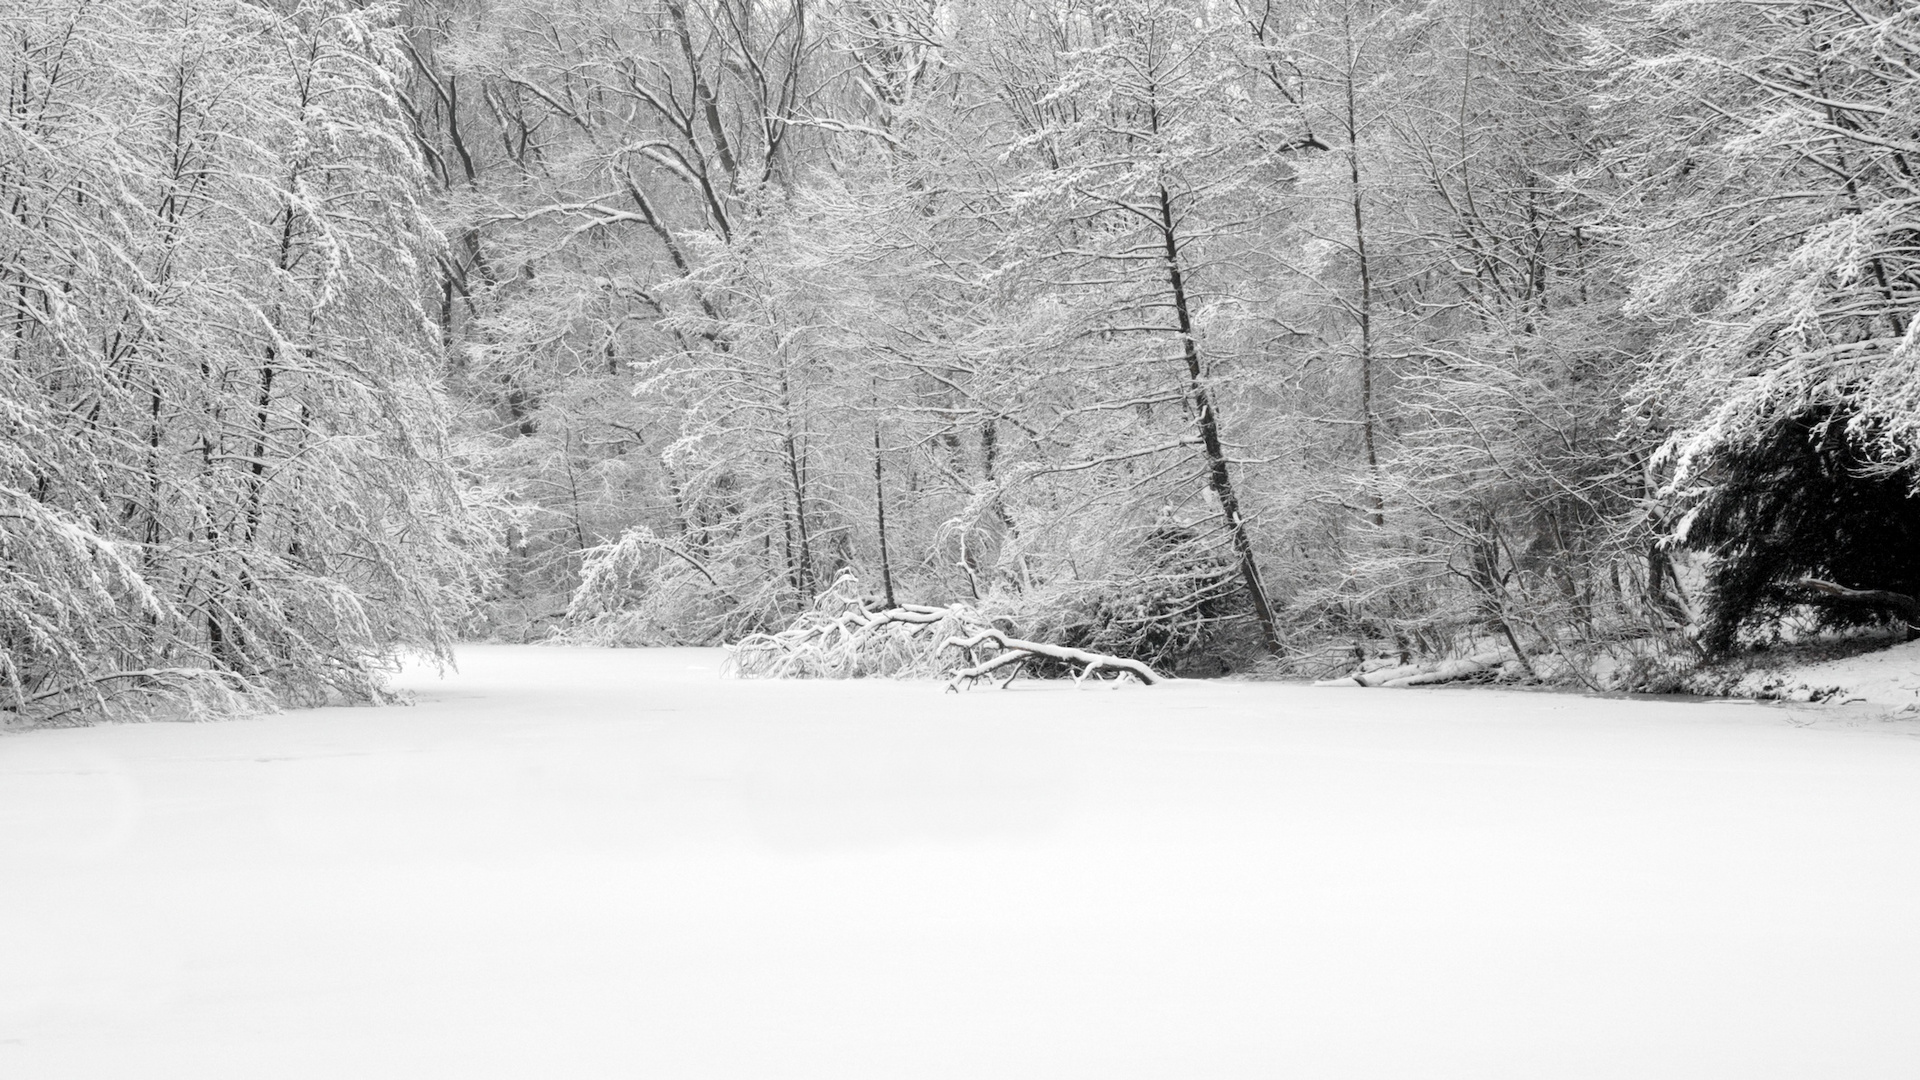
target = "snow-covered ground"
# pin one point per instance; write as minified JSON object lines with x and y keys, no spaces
{"x":1887,"y":677}
{"x":585,"y":864}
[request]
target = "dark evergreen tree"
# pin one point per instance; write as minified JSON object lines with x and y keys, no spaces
{"x":1812,"y":497}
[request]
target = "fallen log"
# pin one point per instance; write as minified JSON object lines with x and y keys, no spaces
{"x":1016,"y":650}
{"x":1428,"y":674}
{"x":1816,"y":591}
{"x":1446,"y":672}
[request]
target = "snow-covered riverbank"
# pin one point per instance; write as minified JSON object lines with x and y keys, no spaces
{"x":582,"y":864}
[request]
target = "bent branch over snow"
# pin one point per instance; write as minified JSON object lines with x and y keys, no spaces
{"x":1816,"y":591}
{"x":841,"y":638}
{"x":1015,"y":652}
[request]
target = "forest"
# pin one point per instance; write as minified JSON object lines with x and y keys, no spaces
{"x":1228,"y":336}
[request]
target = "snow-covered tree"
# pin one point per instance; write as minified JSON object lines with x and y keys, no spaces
{"x":222,"y":388}
{"x":1772,"y":204}
{"x":1137,"y":150}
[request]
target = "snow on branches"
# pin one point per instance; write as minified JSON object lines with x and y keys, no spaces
{"x":221,"y":430}
{"x":842,"y":637}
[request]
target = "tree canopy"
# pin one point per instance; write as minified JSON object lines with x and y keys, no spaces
{"x":1215,"y":334}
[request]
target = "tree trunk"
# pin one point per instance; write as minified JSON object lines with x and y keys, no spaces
{"x":1816,"y":591}
{"x":800,"y":562}
{"x":1364,"y":312}
{"x":880,"y":514}
{"x":1219,"y":478}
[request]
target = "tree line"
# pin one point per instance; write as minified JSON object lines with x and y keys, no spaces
{"x":1214,"y":333}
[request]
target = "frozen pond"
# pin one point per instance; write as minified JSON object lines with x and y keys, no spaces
{"x":584,"y":863}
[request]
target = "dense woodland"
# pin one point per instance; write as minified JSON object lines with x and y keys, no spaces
{"x":1221,"y":334}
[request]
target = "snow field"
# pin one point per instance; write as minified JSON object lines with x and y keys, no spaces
{"x":586,"y":863}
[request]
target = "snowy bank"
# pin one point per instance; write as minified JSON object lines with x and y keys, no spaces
{"x":1885,"y":677}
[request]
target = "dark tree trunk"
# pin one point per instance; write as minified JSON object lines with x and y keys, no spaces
{"x":1219,"y":478}
{"x":880,"y":513}
{"x":1903,"y":606}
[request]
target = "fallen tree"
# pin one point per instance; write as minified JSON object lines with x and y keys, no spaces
{"x":1014,"y":653}
{"x":1900,"y":605}
{"x":843,"y":637}
{"x":1426,"y":674}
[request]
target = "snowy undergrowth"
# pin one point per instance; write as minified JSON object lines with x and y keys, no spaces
{"x":1869,"y":670}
